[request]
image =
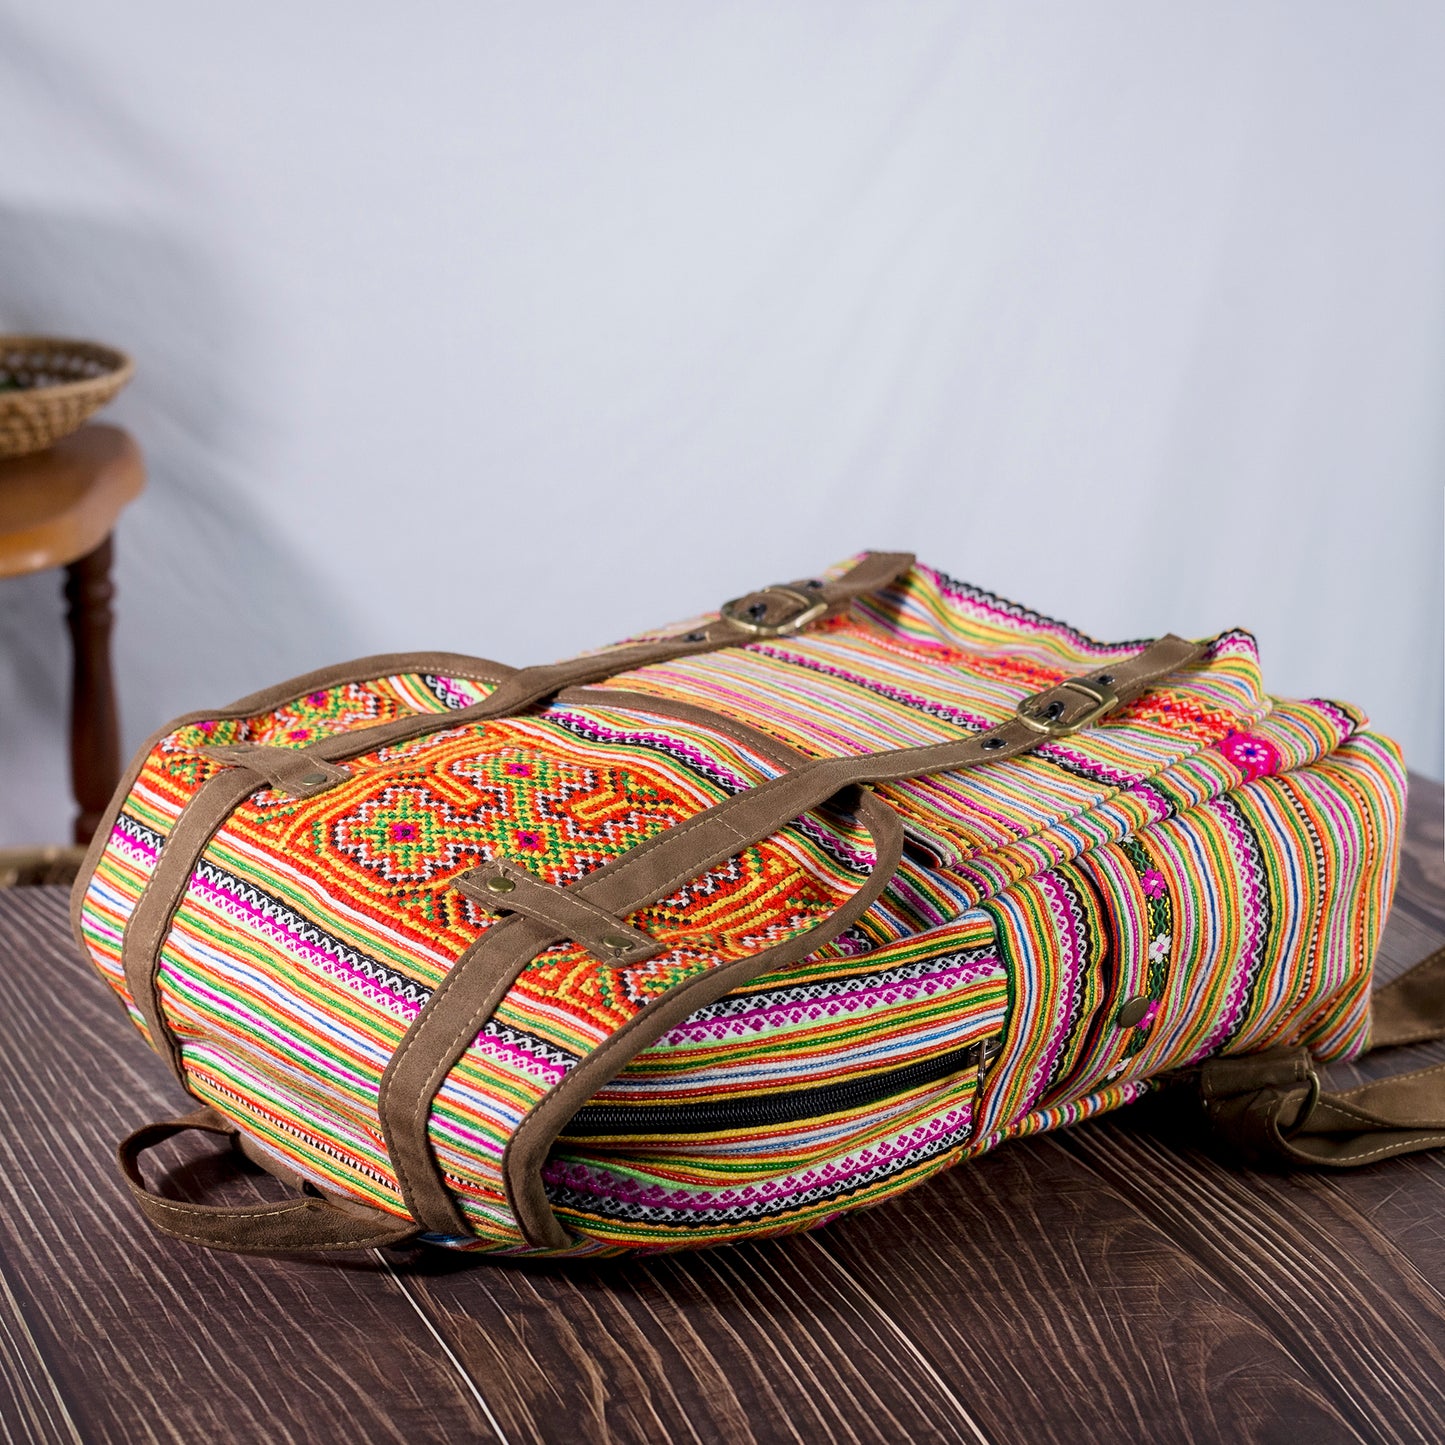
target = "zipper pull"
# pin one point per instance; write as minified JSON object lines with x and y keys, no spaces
{"x":985,"y":1051}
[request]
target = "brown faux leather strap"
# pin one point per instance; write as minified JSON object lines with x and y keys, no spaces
{"x":482,"y":975}
{"x":769,"y":612}
{"x":775,"y":611}
{"x":1411,"y":1009}
{"x":149,"y":924}
{"x":1270,"y":1109}
{"x":301,"y":1225}
{"x":478,"y":982}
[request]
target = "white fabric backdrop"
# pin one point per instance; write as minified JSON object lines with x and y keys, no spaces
{"x":511,"y":331}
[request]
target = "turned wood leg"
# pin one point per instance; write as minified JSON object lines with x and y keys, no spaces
{"x":94,"y":731}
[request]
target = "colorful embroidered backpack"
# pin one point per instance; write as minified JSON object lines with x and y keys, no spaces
{"x":728,"y":929}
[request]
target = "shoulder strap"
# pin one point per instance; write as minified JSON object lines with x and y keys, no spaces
{"x":1270,"y":1108}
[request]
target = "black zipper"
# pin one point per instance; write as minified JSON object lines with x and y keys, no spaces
{"x":781,"y":1108}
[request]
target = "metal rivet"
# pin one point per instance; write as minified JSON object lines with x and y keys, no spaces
{"x":1132,"y":1011}
{"x":994,"y":742}
{"x":500,"y":885}
{"x":616,"y":942}
{"x":312,"y":780}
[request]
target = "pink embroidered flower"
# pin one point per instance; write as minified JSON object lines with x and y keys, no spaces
{"x":1153,"y":882}
{"x":529,"y":841}
{"x":316,"y":698}
{"x":519,"y":770}
{"x":1253,"y":755}
{"x":403,"y":832}
{"x":299,"y":735}
{"x":1147,"y":1022}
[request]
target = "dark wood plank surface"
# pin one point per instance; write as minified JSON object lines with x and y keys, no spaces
{"x":1110,"y":1282}
{"x":122,"y":1338}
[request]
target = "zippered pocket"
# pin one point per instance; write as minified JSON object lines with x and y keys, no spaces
{"x":832,"y":1083}
{"x":766,"y":1110}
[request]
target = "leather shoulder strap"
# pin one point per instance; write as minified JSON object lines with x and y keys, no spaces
{"x":1271,"y":1109}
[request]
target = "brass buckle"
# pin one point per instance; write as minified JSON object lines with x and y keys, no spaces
{"x":809,"y":610}
{"x":1035,"y":713}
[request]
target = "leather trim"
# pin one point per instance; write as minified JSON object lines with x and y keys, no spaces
{"x":482,"y":975}
{"x":289,"y":770}
{"x":149,"y":923}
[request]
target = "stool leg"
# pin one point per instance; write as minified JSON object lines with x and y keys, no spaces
{"x":94,"y":730}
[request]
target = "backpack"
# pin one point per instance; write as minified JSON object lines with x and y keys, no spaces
{"x":728,"y":929}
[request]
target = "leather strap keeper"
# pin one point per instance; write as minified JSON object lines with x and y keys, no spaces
{"x":297,"y":772}
{"x":506,"y":887}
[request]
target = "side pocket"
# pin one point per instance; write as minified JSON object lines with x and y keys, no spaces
{"x":1248,"y":922}
{"x":1056,"y":945}
{"x":828,"y":1085}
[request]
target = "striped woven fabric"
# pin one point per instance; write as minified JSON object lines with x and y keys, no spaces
{"x":1221,"y":859}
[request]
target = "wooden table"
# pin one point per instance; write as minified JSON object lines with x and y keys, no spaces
{"x":1107,"y":1283}
{"x":58,"y":508}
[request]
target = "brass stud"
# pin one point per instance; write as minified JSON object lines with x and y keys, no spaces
{"x":312,"y":780}
{"x":1132,"y":1012}
{"x":616,"y":942}
{"x":500,"y":885}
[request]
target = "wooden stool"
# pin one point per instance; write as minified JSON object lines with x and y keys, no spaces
{"x":58,"y":508}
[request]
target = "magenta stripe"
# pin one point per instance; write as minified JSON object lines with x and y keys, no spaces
{"x":1245,"y":965}
{"x":530,"y":1064}
{"x":228,"y":1008}
{"x":853,"y":1001}
{"x":299,"y":947}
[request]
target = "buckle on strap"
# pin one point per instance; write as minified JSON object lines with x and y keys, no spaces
{"x":757,"y":615}
{"x":1044,"y":711}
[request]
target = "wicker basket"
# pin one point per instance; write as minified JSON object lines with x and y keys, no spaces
{"x":57,"y":384}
